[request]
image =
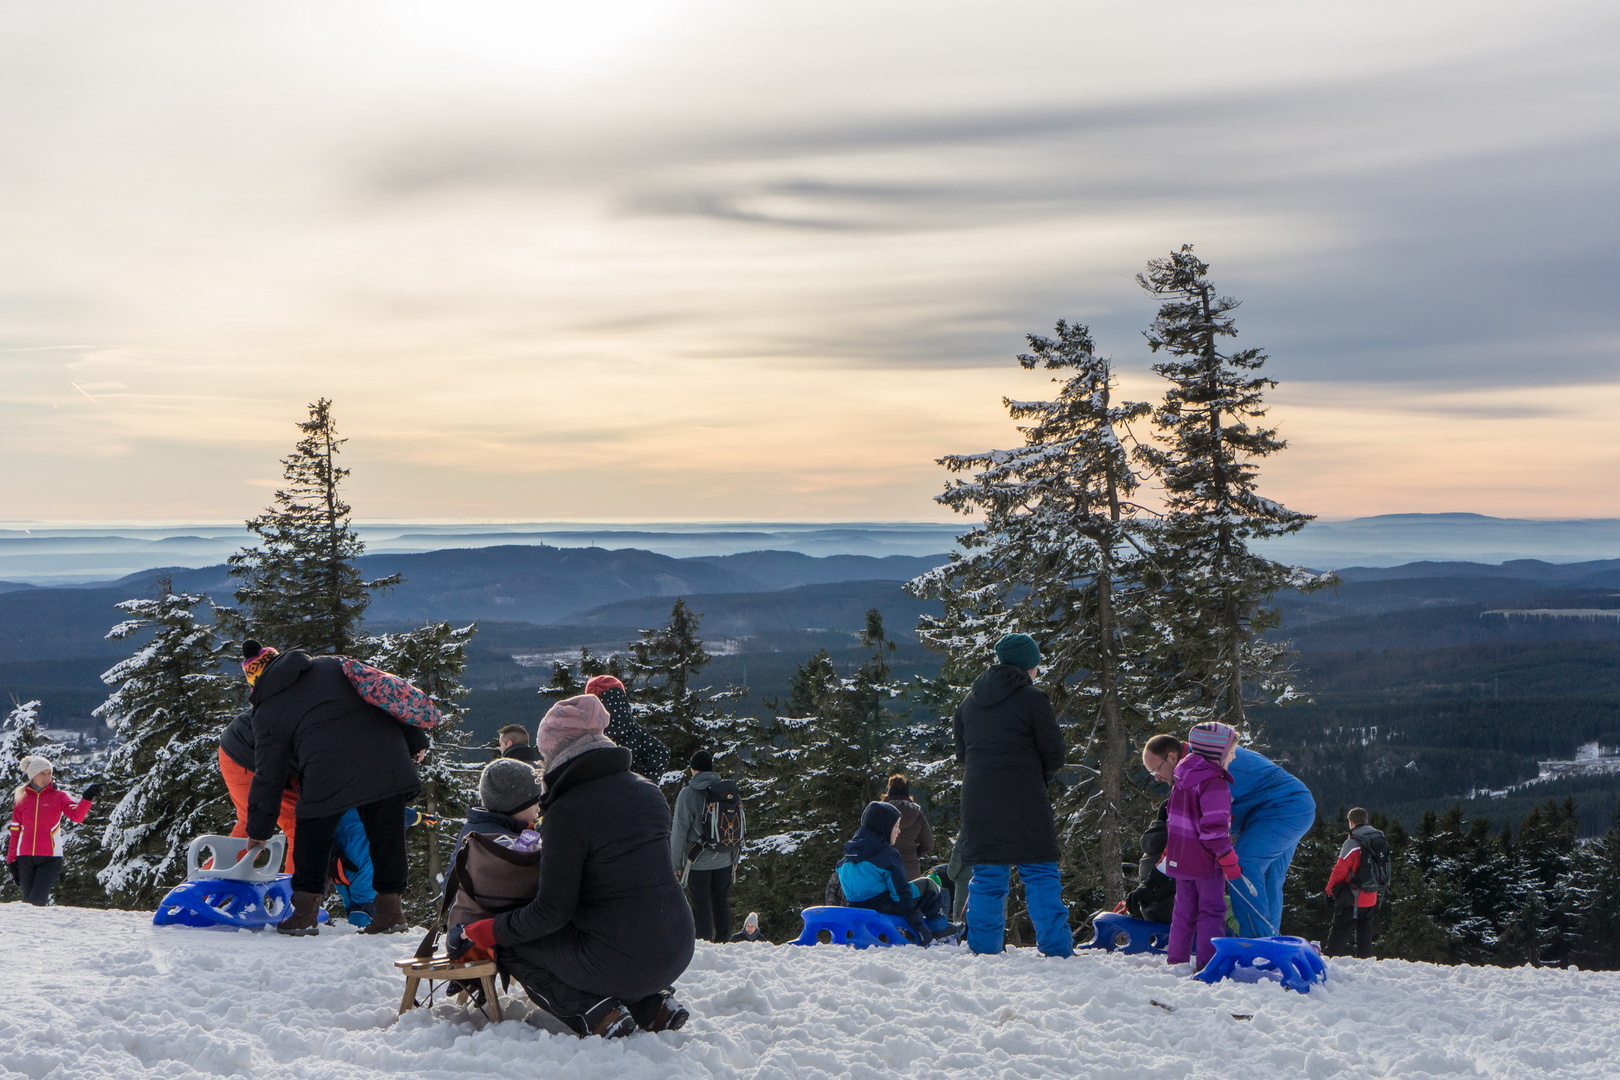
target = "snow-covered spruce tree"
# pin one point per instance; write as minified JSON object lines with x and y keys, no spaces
{"x":661,"y":667}
{"x":300,"y":586}
{"x":170,"y":703}
{"x":19,"y":737}
{"x":1212,"y":585}
{"x":1053,"y":558}
{"x":434,"y":658}
{"x":1595,"y":900}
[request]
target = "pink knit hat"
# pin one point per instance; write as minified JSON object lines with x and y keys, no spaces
{"x":570,"y":719}
{"x":1212,"y":739}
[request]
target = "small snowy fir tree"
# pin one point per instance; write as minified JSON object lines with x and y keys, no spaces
{"x":19,"y":737}
{"x":300,"y":586}
{"x":434,"y":658}
{"x":1211,"y":584}
{"x":1053,"y":558}
{"x":660,"y":671}
{"x":171,"y":702}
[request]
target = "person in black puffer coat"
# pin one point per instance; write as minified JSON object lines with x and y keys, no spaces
{"x":1011,"y":748}
{"x":310,"y":722}
{"x":1154,"y":898}
{"x":609,"y":931}
{"x":649,"y":756}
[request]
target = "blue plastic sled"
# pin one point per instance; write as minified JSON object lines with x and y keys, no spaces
{"x":1126,"y":934}
{"x":238,"y":905}
{"x":855,"y":926}
{"x":1291,"y":958}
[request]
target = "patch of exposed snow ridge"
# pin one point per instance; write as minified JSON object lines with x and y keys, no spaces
{"x":96,"y":995}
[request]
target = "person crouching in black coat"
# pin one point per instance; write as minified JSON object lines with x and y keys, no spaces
{"x":609,"y":930}
{"x":1154,"y":898}
{"x":309,"y":722}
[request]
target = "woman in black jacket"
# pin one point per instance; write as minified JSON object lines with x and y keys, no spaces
{"x":1011,"y":748}
{"x":311,"y":723}
{"x":609,"y":930}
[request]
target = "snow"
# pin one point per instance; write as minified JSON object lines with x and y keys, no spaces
{"x":100,"y":994}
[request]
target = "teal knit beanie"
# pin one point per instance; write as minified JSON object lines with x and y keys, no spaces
{"x":1019,"y":650}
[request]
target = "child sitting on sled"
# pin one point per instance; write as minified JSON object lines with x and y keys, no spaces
{"x":873,"y":877}
{"x":496,"y":867}
{"x":1198,"y":848}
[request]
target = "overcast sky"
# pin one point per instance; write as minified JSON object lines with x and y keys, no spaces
{"x":657,"y":260}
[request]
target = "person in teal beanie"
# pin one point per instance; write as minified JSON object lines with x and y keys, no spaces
{"x":1011,"y":748}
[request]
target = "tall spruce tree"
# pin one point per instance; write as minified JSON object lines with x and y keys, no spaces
{"x":1053,"y":558}
{"x":434,"y":658}
{"x":1213,"y":585}
{"x":662,"y":666}
{"x":300,"y":586}
{"x":170,"y":703}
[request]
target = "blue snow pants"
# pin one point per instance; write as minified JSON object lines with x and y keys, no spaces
{"x":987,"y":908}
{"x":1265,"y":849}
{"x":356,"y":851}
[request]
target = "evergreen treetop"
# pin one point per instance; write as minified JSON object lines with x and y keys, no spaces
{"x":300,"y":587}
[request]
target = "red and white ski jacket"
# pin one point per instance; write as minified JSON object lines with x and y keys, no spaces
{"x":36,"y":821}
{"x":1347,"y":870}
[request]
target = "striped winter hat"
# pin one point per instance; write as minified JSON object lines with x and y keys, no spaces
{"x":1212,"y":739}
{"x":255,"y":658}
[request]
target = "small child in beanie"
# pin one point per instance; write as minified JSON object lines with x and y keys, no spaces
{"x":1198,"y":846}
{"x":508,"y":805}
{"x":873,"y":877}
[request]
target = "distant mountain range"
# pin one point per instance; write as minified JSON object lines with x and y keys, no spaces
{"x":44,"y":555}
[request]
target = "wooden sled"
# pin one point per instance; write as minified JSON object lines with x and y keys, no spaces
{"x":443,"y":969}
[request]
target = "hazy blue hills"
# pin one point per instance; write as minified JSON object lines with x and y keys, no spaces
{"x":839,"y":607}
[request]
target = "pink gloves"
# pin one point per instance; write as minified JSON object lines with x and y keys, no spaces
{"x":1230,"y":865}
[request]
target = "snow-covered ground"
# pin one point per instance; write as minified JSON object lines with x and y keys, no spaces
{"x":101,"y":994}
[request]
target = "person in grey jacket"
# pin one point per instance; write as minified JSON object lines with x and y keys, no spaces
{"x":707,"y":871}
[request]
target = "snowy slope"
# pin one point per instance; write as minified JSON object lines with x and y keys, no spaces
{"x":99,"y":994}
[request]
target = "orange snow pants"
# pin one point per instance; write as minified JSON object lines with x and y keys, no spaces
{"x":237,"y":781}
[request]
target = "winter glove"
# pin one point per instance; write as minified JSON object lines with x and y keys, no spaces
{"x":92,"y":791}
{"x":16,"y":872}
{"x":1119,"y":908}
{"x":481,"y":934}
{"x":1230,"y":865}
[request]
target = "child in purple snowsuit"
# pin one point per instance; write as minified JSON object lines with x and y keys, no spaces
{"x":1199,"y":853}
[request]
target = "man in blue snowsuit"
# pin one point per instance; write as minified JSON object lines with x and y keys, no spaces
{"x":1271,"y":811}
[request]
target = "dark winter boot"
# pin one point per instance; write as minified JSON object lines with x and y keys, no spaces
{"x":608,"y":1019}
{"x":301,"y":923}
{"x":389,"y":917}
{"x":660,"y":1012}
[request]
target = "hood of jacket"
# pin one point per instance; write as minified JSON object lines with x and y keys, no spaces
{"x":283,"y":671}
{"x":591,"y":765}
{"x":1364,"y":833}
{"x":865,"y":845}
{"x":998,"y":684}
{"x":478,"y":816}
{"x":1194,"y":769}
{"x":703,"y":781}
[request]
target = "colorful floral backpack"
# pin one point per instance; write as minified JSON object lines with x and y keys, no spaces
{"x":392,"y":694}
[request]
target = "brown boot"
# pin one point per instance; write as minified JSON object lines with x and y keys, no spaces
{"x":390,"y":917}
{"x":301,"y":923}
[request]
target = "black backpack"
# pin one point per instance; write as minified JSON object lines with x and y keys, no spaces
{"x":1373,"y":874}
{"x":721,"y":824}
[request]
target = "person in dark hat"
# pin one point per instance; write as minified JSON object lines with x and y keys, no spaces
{"x":916,"y":837}
{"x":707,"y":863}
{"x":1011,"y":748}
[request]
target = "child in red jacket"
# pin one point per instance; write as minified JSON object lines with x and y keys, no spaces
{"x":1360,"y":874}
{"x":34,"y":846}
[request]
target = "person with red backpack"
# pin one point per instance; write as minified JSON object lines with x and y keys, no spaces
{"x":1360,"y":875}
{"x":705,"y":844}
{"x":34,"y":844}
